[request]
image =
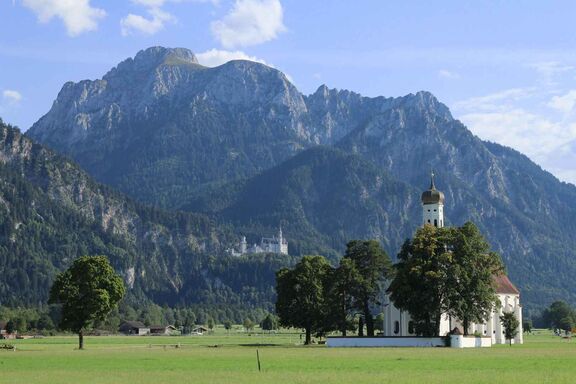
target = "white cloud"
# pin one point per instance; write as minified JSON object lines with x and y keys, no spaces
{"x":550,"y":68}
{"x":77,"y":15}
{"x":160,"y":3}
{"x":11,"y":96}
{"x":446,"y":74}
{"x":249,"y":22}
{"x":216,"y":57}
{"x":512,"y":118}
{"x":564,"y":103}
{"x":529,"y":133}
{"x":139,"y":24}
{"x":498,"y":101}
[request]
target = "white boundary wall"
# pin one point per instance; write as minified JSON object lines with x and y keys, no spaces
{"x":457,"y":341}
{"x":385,"y":342}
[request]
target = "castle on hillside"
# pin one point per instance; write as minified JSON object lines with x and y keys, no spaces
{"x":275,"y":244}
{"x":398,"y":323}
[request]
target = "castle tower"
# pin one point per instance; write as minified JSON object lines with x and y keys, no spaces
{"x":243,"y":245}
{"x":433,"y":205}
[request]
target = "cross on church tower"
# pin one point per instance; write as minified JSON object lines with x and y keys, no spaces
{"x":433,"y":205}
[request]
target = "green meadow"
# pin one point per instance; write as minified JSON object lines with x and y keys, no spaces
{"x":231,"y":358}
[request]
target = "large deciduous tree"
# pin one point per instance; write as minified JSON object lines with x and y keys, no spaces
{"x":560,"y":316}
{"x":372,"y":266}
{"x":471,"y":291}
{"x":420,"y":279}
{"x":301,"y":294}
{"x":340,"y":296}
{"x":87,"y":291}
{"x":445,"y":270}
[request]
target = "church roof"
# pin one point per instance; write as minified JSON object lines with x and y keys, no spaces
{"x":504,"y":285}
{"x":432,"y":195}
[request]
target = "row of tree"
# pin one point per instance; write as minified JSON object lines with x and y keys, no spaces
{"x":439,"y":271}
{"x":319,"y":298}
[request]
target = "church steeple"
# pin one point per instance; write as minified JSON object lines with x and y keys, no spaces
{"x":433,"y":205}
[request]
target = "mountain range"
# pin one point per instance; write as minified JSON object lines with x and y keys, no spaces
{"x":239,"y":147}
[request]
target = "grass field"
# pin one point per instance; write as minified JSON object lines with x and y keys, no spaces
{"x":222,"y":358}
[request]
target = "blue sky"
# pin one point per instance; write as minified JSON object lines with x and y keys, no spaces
{"x":507,"y":69}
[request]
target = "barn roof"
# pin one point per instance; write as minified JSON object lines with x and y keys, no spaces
{"x":133,"y":324}
{"x":504,"y":285}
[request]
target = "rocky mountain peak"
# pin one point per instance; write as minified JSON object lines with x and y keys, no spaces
{"x":426,"y":103}
{"x":152,"y":58}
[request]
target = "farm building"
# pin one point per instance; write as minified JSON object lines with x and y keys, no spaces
{"x":4,"y":332}
{"x":134,"y":328}
{"x":199,"y":330}
{"x":163,"y":330}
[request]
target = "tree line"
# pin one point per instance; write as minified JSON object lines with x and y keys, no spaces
{"x":440,"y":270}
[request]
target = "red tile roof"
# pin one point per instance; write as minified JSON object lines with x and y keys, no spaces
{"x":504,"y":285}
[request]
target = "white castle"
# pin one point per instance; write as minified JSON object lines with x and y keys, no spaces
{"x":275,"y":244}
{"x":398,"y":323}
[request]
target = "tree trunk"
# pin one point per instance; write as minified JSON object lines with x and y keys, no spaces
{"x":465,"y":325}
{"x":308,"y":340}
{"x":343,"y":332}
{"x":361,"y":326}
{"x":510,"y":341}
{"x":369,"y":320}
{"x":81,"y":340}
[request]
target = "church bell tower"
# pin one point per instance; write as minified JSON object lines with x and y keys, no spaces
{"x":433,"y":205}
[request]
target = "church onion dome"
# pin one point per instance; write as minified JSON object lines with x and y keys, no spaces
{"x":432,"y":195}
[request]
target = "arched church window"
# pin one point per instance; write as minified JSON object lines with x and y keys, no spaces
{"x":410,"y":327}
{"x":435,"y":222}
{"x":428,"y":220}
{"x":396,"y":327}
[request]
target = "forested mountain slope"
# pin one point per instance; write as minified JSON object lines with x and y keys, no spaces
{"x":52,"y":212}
{"x":237,"y":142}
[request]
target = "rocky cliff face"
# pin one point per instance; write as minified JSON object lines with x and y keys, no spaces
{"x":139,"y":128}
{"x":168,"y":131}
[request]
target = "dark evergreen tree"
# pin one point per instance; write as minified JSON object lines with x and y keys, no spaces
{"x":373,"y":266}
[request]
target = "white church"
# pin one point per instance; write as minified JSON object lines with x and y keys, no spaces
{"x":398,"y":328}
{"x":398,"y":323}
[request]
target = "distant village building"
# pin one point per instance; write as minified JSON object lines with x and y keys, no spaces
{"x":4,"y":331}
{"x":163,"y":330}
{"x":199,"y":330}
{"x":135,"y":328}
{"x":398,"y":323}
{"x":275,"y":244}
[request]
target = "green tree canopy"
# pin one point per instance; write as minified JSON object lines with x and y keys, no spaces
{"x":560,"y":316}
{"x":340,"y":297}
{"x":372,"y":266}
{"x":510,"y":324}
{"x":301,"y":294}
{"x":420,"y":279}
{"x":269,"y":323}
{"x":87,"y":291}
{"x":445,"y":270}
{"x":471,"y":291}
